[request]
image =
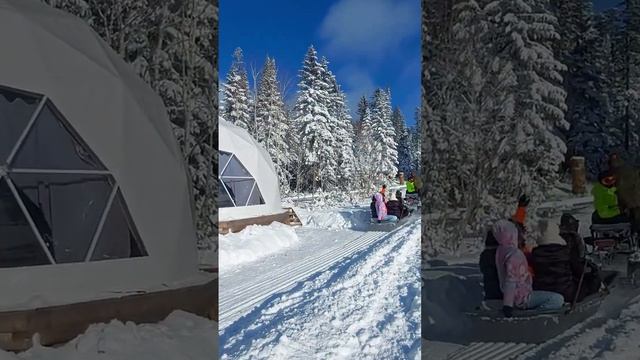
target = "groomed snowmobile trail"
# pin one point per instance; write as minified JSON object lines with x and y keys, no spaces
{"x":361,"y":299}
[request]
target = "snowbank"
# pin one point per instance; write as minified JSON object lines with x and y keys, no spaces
{"x":350,"y":218}
{"x":255,"y":242}
{"x":180,"y":336}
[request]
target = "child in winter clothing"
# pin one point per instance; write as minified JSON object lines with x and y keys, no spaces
{"x":381,"y":210}
{"x":488,"y":256}
{"x":514,"y":277}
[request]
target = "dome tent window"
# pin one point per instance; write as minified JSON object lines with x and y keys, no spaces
{"x":56,"y":198}
{"x":237,"y":186}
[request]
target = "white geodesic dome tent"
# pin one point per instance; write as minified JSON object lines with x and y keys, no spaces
{"x":94,"y":193}
{"x":248,"y":180}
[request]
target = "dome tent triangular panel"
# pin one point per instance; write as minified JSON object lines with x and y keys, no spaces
{"x":125,"y":125}
{"x":20,"y":246}
{"x":249,"y":183}
{"x":16,"y":112}
{"x":51,"y":144}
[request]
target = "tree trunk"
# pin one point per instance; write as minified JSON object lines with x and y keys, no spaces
{"x":578,"y":175}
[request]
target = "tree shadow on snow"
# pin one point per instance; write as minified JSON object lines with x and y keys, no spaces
{"x":446,"y":297}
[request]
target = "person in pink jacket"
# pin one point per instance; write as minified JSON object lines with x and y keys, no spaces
{"x":381,"y":210}
{"x":514,"y":276}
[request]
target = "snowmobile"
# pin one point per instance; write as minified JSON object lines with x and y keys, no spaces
{"x":375,"y":225}
{"x":413,"y":202}
{"x":615,"y":247}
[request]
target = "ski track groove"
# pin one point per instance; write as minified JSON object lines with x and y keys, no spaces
{"x":230,"y":308}
{"x":361,"y":271}
{"x":241,"y":289}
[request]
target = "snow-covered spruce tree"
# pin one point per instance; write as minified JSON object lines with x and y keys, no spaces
{"x":237,"y":97}
{"x":383,"y":133}
{"x":632,"y":77}
{"x":366,"y":150}
{"x":416,"y":143}
{"x":343,"y":128}
{"x":172,"y":47}
{"x":521,"y":34}
{"x":314,"y":123}
{"x":363,"y":104}
{"x":272,"y":125}
{"x":587,"y":100}
{"x":403,"y":139}
{"x":613,"y":55}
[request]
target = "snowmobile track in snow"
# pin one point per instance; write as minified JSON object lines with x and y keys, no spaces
{"x":357,"y":298}
{"x":490,"y":351}
{"x":239,"y":299}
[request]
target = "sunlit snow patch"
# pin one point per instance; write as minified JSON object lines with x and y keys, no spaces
{"x":255,"y":242}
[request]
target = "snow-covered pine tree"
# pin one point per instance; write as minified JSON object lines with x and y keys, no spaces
{"x":272,"y":125}
{"x":403,"y":139}
{"x":315,"y":124}
{"x":383,"y":133}
{"x":521,"y":34}
{"x":237,"y":98}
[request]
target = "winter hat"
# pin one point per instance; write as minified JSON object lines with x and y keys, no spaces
{"x":568,"y":223}
{"x":506,"y":233}
{"x":606,"y":178}
{"x":490,"y":240}
{"x":550,"y":233}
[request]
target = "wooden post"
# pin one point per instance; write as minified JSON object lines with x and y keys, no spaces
{"x":578,"y":175}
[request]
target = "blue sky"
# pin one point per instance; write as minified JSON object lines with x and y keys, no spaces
{"x":369,"y":43}
{"x":600,"y":5}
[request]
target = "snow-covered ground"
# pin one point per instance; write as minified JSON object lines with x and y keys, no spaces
{"x":617,"y":339}
{"x":336,"y":293}
{"x":180,"y":336}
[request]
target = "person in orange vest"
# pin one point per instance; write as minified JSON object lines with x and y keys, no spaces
{"x":383,"y":191}
{"x":519,"y":218}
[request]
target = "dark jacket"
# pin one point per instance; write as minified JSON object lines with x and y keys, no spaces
{"x":372,"y":207}
{"x":489,"y":270}
{"x":397,"y":208}
{"x":592,"y":278}
{"x":553,"y":270}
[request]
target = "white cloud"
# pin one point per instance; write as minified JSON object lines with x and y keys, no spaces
{"x":356,"y":83}
{"x":369,"y":27}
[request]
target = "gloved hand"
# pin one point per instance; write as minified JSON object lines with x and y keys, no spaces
{"x":507,"y":311}
{"x":523,"y":201}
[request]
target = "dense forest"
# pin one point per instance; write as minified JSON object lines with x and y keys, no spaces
{"x":513,"y":89}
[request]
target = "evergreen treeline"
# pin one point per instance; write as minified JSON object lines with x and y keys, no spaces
{"x":315,"y":143}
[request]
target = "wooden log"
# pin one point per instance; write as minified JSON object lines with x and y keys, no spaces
{"x":59,"y":324}
{"x":578,"y":175}
{"x":225,"y":227}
